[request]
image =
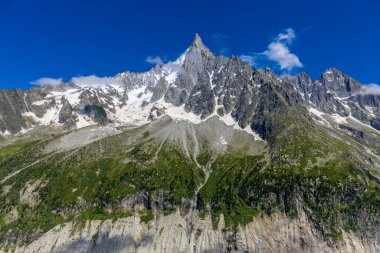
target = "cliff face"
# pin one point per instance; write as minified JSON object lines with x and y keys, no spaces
{"x":176,"y":233}
{"x":12,"y":105}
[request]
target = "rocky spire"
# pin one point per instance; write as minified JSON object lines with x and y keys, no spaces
{"x":198,"y":46}
{"x":197,"y":52}
{"x":197,"y":42}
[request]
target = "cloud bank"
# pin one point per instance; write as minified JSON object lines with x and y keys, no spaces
{"x":371,"y":89}
{"x":47,"y":81}
{"x":156,"y":60}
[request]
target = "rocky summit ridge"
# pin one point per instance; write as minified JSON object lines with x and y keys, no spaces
{"x":197,"y":82}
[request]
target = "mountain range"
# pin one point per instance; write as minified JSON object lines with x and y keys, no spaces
{"x":203,"y":154}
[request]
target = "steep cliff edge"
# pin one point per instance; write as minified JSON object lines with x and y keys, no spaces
{"x":176,"y":233}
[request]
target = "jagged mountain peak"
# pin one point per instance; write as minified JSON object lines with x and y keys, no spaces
{"x":197,"y":42}
{"x":339,"y":83}
{"x":333,"y":73}
{"x":303,"y":75}
{"x":333,"y":69}
{"x":196,"y":52}
{"x":204,"y":84}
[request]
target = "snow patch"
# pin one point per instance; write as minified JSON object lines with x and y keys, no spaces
{"x":179,"y":113}
{"x":249,"y":130}
{"x":223,"y":141}
{"x":84,"y":121}
{"x":316,"y":112}
{"x":371,"y":111}
{"x":339,"y":119}
{"x":138,"y":96}
{"x":40,"y":102}
{"x":210,"y":79}
{"x":51,"y":116}
{"x":230,"y":121}
{"x":5,"y":133}
{"x":171,"y":77}
{"x":72,"y":96}
{"x":319,"y":115}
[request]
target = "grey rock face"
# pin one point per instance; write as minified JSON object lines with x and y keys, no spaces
{"x":339,"y":83}
{"x":38,"y":94}
{"x":368,"y":100}
{"x":205,"y":85}
{"x":135,"y":202}
{"x":156,"y":112}
{"x":159,"y":90}
{"x":201,"y":101}
{"x":92,"y":107}
{"x":276,"y":103}
{"x":188,"y":233}
{"x":176,"y":96}
{"x":357,"y":133}
{"x":96,"y":112}
{"x":66,"y":115}
{"x":337,"y":93}
{"x":12,"y":105}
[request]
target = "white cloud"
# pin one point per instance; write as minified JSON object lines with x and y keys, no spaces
{"x":279,"y":52}
{"x":95,"y":81}
{"x":47,"y":81}
{"x":248,"y":59}
{"x":156,"y":60}
{"x":287,"y":37}
{"x":373,"y":89}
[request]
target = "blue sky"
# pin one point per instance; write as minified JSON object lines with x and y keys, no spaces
{"x":67,"y":38}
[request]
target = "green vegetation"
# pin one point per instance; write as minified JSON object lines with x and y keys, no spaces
{"x":18,"y":153}
{"x":146,"y":215}
{"x":90,"y":183}
{"x":94,"y":213}
{"x":204,"y":157}
{"x":241,"y":186}
{"x":223,"y":191}
{"x":335,"y":234}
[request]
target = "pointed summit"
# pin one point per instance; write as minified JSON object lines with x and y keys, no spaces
{"x":197,"y":52}
{"x":338,"y":82}
{"x":197,"y":42}
{"x":198,"y":46}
